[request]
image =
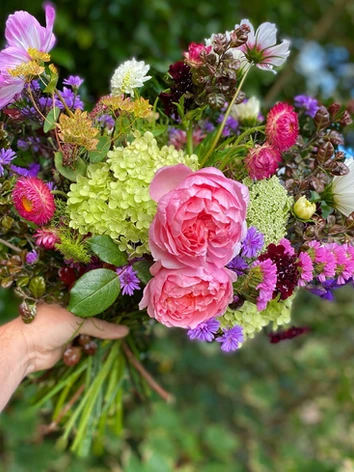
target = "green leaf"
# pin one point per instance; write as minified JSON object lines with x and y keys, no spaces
{"x":37,"y":286}
{"x":51,"y":119}
{"x":67,"y":172}
{"x":52,"y":83}
{"x":103,"y":145}
{"x":142,"y":268}
{"x":94,"y":292}
{"x":107,"y":250}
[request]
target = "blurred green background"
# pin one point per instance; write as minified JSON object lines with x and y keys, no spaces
{"x":287,"y":407}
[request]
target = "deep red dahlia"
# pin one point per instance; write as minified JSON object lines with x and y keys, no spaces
{"x":282,"y":128}
{"x":33,"y":200}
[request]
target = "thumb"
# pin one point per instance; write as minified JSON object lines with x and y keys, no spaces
{"x":102,"y":329}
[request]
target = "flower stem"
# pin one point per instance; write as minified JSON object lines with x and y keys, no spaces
{"x":9,"y":245}
{"x":249,"y":131}
{"x":68,"y":111}
{"x":34,"y":102}
{"x":223,"y":123}
{"x":190,"y":139}
{"x":145,"y":374}
{"x":59,"y":192}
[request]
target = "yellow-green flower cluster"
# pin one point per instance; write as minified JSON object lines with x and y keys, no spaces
{"x":268,"y":209}
{"x":252,"y":320}
{"x":114,"y":197}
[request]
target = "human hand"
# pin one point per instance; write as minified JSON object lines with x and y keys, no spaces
{"x":27,"y":348}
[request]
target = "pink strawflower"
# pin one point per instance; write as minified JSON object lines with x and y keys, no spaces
{"x":22,"y":32}
{"x":262,"y":161}
{"x":46,"y":237}
{"x":305,"y":268}
{"x":267,"y":286}
{"x":282,"y":128}
{"x":33,"y":200}
{"x":194,"y":55}
{"x":261,"y":48}
{"x":289,"y":250}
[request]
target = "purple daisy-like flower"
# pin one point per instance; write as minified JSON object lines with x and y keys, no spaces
{"x":128,"y":280}
{"x":106,"y":121}
{"x":72,"y":100}
{"x":310,"y":104}
{"x":205,"y":331}
{"x":32,"y":257}
{"x":238,"y":265}
{"x":73,"y":81}
{"x":231,"y":339}
{"x":252,"y":243}
{"x":6,"y":156}
{"x":23,"y":144}
{"x":32,"y":170}
{"x":51,"y":185}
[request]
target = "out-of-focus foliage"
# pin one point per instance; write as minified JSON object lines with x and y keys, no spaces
{"x":288,"y":407}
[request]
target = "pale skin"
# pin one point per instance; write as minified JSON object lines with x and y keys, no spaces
{"x":28,"y":348}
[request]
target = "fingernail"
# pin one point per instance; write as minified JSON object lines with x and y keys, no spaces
{"x":122,"y":330}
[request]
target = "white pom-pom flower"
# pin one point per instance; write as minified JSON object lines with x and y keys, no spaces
{"x":128,"y":76}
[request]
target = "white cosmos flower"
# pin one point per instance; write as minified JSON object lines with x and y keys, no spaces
{"x":247,"y":111}
{"x":261,"y":47}
{"x":343,"y":190}
{"x":128,"y":76}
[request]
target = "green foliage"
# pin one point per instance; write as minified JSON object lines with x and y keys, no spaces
{"x":94,"y":292}
{"x":68,"y":172}
{"x":51,"y":119}
{"x":107,"y":250}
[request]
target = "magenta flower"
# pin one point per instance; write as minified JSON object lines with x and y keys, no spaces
{"x":261,"y":48}
{"x":282,"y":128}
{"x":46,"y":237}
{"x":33,"y":200}
{"x":266,"y":288}
{"x":262,"y":161}
{"x":194,"y":56}
{"x":22,"y":32}
{"x":305,"y":267}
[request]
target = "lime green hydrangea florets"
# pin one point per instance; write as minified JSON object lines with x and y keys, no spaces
{"x":252,"y":320}
{"x":268,"y":209}
{"x":114,"y":197}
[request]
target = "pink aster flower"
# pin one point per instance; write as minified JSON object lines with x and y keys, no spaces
{"x":22,"y":32}
{"x":266,"y":288}
{"x":262,"y":161}
{"x":323,"y":259}
{"x":289,"y":250}
{"x":344,"y":262}
{"x":282,"y":128}
{"x":194,"y":55}
{"x":261,"y":48}
{"x":46,"y":237}
{"x":33,"y":200}
{"x":305,"y":268}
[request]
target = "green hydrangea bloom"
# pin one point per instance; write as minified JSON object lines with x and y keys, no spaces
{"x":114,"y":197}
{"x":252,"y":320}
{"x":268,"y":209}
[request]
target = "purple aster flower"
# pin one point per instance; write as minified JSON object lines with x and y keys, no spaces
{"x":71,"y":99}
{"x":205,"y":331}
{"x":238,"y":265}
{"x":252,"y":243}
{"x":45,"y":102}
{"x":23,"y":144}
{"x":73,"y":81}
{"x":51,"y":186}
{"x":32,"y":170}
{"x":6,"y":156}
{"x":32,"y":257}
{"x":35,"y":85}
{"x":325,"y":290}
{"x":231,"y":125}
{"x":310,"y":104}
{"x":128,"y":280}
{"x":106,"y":121}
{"x":231,"y":339}
{"x":208,"y":127}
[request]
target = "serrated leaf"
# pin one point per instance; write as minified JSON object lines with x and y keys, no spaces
{"x":142,"y":268}
{"x":107,"y":250}
{"x":67,"y":172}
{"x":94,"y":292}
{"x":51,"y":119}
{"x":103,"y":145}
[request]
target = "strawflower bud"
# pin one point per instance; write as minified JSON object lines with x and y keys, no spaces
{"x":304,"y":209}
{"x":262,"y":161}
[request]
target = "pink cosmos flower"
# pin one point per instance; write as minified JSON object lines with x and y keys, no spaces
{"x":262,"y":161}
{"x":33,"y":200}
{"x":261,"y":48}
{"x":22,"y":32}
{"x":193,"y":56}
{"x":46,"y":237}
{"x":305,"y":268}
{"x":267,"y":286}
{"x":188,"y":296}
{"x":200,"y":217}
{"x":282,"y":128}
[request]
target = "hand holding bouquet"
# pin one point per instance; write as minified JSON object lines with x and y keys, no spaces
{"x":191,"y":209}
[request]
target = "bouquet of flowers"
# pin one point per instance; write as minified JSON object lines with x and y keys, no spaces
{"x":191,"y":208}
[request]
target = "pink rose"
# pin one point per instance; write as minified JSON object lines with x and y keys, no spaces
{"x":200,"y":217}
{"x":188,"y":296}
